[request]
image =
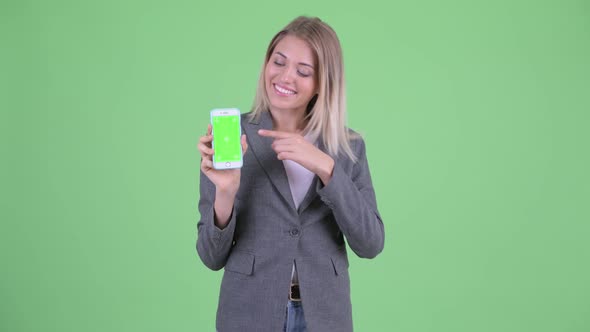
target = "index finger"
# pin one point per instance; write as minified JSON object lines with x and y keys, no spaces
{"x":273,"y":133}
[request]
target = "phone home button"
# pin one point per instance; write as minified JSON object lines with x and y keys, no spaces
{"x":228,"y":164}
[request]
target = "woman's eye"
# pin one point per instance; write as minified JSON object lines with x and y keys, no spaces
{"x":303,"y":74}
{"x":279,"y":63}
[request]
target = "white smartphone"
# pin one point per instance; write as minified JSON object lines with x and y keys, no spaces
{"x":227,"y":133}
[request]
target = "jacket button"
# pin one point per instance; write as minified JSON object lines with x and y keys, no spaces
{"x":294,"y":232}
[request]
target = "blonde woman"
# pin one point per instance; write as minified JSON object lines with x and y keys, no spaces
{"x":278,"y":225}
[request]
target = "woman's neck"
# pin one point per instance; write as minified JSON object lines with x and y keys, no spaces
{"x":288,"y":120}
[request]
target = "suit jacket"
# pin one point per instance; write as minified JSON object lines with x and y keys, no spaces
{"x":266,"y":234}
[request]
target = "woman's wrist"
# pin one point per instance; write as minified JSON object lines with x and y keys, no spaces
{"x":225,"y":192}
{"x":326,"y":172}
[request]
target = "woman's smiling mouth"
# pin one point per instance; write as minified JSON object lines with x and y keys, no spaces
{"x":283,"y":91}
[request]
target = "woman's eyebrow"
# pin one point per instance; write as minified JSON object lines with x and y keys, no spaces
{"x":301,"y":63}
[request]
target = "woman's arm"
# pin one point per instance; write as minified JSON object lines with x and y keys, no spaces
{"x":353,"y":203}
{"x":214,"y":242}
{"x":217,"y":205}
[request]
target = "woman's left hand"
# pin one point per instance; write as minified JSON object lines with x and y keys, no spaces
{"x":292,"y":146}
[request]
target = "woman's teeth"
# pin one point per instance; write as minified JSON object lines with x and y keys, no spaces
{"x":284,"y":91}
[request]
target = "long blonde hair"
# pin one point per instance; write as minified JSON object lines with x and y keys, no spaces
{"x":326,"y":112}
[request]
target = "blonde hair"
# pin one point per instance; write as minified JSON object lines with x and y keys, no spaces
{"x":326,"y":111}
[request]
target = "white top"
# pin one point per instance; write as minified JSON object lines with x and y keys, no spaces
{"x":300,"y":179}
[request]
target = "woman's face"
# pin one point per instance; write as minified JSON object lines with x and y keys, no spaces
{"x":289,"y":75}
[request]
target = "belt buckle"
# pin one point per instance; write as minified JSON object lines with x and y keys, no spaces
{"x":294,"y":294}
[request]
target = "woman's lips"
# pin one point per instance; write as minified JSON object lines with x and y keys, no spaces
{"x":282,"y":91}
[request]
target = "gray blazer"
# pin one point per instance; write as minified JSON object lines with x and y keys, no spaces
{"x":266,"y":235}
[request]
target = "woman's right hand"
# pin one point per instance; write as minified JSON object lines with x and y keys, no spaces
{"x":227,"y":180}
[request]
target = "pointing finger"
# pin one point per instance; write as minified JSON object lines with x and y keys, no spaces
{"x":273,"y":133}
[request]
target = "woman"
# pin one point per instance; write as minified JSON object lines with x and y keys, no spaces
{"x":278,"y":224}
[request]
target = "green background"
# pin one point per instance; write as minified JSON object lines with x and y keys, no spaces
{"x":481,"y":107}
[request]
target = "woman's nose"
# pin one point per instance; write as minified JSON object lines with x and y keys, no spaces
{"x":287,"y":75}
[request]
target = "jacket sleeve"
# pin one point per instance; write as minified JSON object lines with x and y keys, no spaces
{"x":213,"y":243}
{"x":353,"y":203}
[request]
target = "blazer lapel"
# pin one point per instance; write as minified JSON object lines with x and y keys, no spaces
{"x":310,"y":196}
{"x":262,"y":150}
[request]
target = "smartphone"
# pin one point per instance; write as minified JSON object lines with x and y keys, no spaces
{"x":227,"y":133}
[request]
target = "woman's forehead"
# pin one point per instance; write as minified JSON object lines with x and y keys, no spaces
{"x":295,"y":48}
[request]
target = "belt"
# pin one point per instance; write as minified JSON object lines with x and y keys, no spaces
{"x":294,"y":294}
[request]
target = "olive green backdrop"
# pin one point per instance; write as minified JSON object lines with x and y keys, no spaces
{"x":480,"y":109}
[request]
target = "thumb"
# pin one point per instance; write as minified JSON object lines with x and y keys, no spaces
{"x":244,"y":144}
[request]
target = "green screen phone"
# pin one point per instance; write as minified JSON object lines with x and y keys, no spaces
{"x":227,"y":131}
